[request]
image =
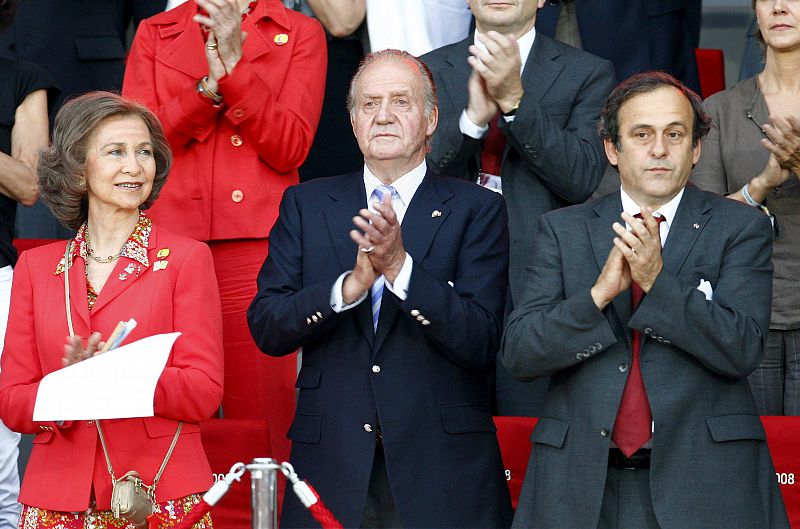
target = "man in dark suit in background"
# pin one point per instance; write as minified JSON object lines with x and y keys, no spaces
{"x":649,"y":421}
{"x":635,"y":35}
{"x":82,"y":44}
{"x":399,"y":328}
{"x":518,"y":113}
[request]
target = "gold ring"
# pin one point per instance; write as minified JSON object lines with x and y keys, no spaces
{"x":211,"y":46}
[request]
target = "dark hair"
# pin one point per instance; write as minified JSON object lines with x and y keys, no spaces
{"x":429,"y":87}
{"x":61,"y":166}
{"x":8,"y":10}
{"x":642,"y":83}
{"x":758,"y":36}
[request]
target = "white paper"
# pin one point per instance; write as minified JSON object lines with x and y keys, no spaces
{"x":114,"y":385}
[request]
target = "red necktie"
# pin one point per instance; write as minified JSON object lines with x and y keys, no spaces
{"x":492,"y":149}
{"x":632,"y":428}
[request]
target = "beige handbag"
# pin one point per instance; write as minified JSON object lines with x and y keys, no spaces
{"x":131,"y":498}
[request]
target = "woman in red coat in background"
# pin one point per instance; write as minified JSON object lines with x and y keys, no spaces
{"x":240,"y":112}
{"x":107,"y":163}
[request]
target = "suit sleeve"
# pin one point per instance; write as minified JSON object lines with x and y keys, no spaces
{"x":548,"y":331}
{"x":466,"y":319}
{"x":21,"y":367}
{"x":190,"y":387}
{"x":728,"y":333}
{"x":570,"y":161}
{"x":249,"y":103}
{"x":280,"y":315}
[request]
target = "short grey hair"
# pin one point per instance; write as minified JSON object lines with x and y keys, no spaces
{"x":62,"y":165}
{"x":429,"y":87}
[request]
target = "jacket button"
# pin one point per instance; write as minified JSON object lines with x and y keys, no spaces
{"x":314,"y":318}
{"x":420,"y":317}
{"x":414,"y":312}
{"x":598,"y":345}
{"x":368,"y":428}
{"x":648,"y":331}
{"x":376,"y":369}
{"x":604,"y":432}
{"x":425,"y":322}
{"x":579,"y":356}
{"x":238,"y":113}
{"x":236,"y":140}
{"x":237,"y":195}
{"x":623,"y":368}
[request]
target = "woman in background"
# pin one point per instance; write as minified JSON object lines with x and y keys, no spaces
{"x":752,"y":153}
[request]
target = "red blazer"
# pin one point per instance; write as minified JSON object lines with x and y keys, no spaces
{"x":232,"y":163}
{"x":67,"y":461}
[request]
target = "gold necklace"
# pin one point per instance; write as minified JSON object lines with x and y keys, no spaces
{"x":93,"y":257}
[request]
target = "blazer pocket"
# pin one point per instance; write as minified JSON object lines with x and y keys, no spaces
{"x":306,"y":428}
{"x":654,"y":8}
{"x":550,"y":432}
{"x":694,"y":274}
{"x":99,"y":48}
{"x":309,"y":377}
{"x":43,"y":438}
{"x":467,"y":419}
{"x":161,"y":427}
{"x":736,"y":428}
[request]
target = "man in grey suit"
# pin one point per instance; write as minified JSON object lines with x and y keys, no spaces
{"x":518,"y":113}
{"x":648,"y":421}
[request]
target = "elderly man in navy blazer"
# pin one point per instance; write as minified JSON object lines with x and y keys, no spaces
{"x":393,"y":282}
{"x":648,"y":421}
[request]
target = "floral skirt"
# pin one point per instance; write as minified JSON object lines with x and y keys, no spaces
{"x":168,"y":514}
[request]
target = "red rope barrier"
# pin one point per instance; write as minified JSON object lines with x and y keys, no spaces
{"x":322,"y":514}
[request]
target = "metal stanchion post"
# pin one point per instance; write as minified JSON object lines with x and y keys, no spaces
{"x":264,"y":492}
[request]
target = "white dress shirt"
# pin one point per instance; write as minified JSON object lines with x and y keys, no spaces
{"x":667,"y":211}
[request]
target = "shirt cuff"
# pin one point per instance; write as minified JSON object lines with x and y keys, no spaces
{"x":469,"y":128}
{"x":337,"y":299}
{"x":400,"y":286}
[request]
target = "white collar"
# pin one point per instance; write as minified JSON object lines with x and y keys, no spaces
{"x":406,"y":185}
{"x":667,"y":210}
{"x":525,"y":43}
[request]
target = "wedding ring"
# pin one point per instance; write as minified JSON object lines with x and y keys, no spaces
{"x":211,"y":46}
{"x":367,"y":250}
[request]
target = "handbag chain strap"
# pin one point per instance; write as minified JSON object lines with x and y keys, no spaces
{"x":67,"y":266}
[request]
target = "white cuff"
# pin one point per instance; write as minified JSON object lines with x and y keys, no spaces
{"x":337,"y":298}
{"x":400,"y":286}
{"x":469,"y":128}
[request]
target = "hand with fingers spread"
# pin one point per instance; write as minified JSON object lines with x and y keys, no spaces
{"x":783,"y":143}
{"x":380,"y":231}
{"x":223,"y":21}
{"x":74,"y":351}
{"x":499,"y":67}
{"x":641,"y":247}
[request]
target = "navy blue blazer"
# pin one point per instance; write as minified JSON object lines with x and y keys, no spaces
{"x":422,"y":379}
{"x":637,"y":36}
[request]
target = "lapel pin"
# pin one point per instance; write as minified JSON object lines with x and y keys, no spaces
{"x":130,"y":268}
{"x":160,"y":265}
{"x":123,"y":276}
{"x":696,"y":226}
{"x":163,"y":252}
{"x":436,"y":213}
{"x":281,"y":39}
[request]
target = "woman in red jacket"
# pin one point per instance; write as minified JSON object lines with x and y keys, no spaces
{"x":240,"y":115}
{"x":108,"y":161}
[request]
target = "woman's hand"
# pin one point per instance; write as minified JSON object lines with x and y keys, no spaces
{"x":224,"y":45}
{"x":74,"y":351}
{"x":784,"y":142}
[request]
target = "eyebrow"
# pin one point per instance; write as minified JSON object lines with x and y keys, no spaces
{"x":647,"y":126}
{"x":391,"y":94}
{"x":122,"y":144}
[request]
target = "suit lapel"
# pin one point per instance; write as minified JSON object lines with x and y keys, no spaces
{"x":420,"y":226}
{"x":691,"y":217}
{"x":455,"y":78}
{"x":541,"y":69}
{"x":78,"y":295}
{"x":608,"y":211}
{"x":347,"y":198}
{"x":186,"y":52}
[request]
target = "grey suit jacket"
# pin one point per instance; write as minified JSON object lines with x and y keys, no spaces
{"x":710,"y":463}
{"x":553,"y":155}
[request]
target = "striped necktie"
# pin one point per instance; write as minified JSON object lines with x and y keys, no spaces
{"x":378,"y":286}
